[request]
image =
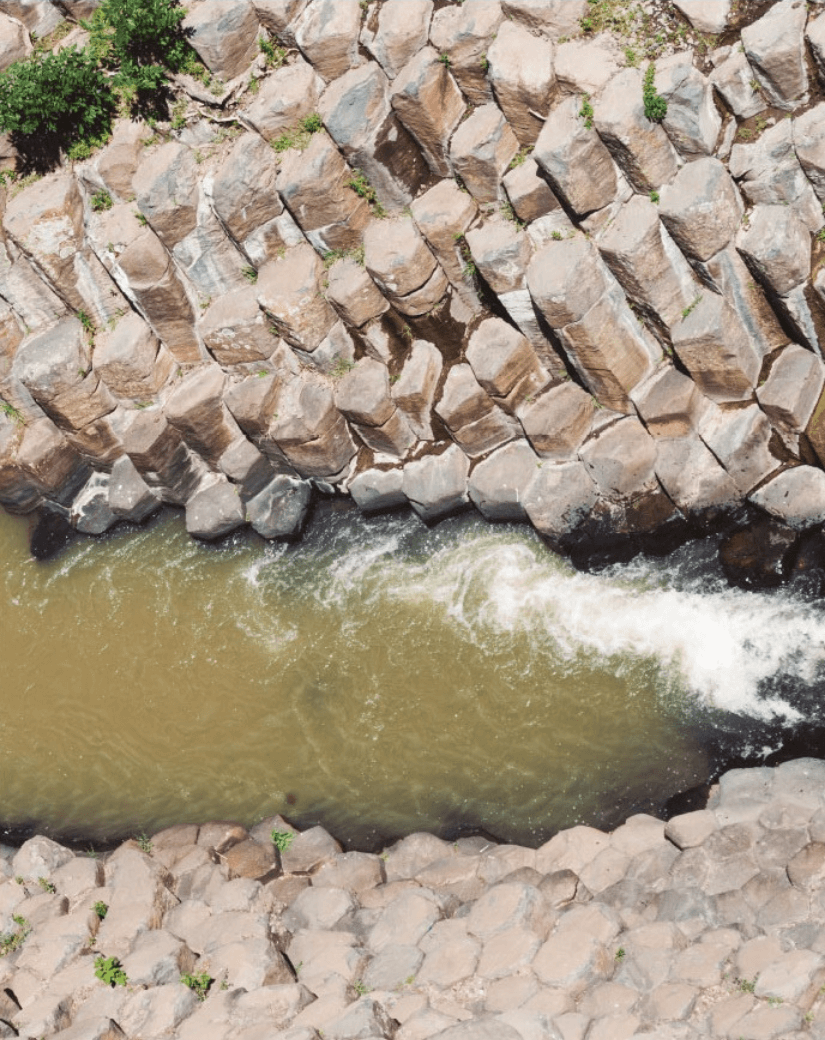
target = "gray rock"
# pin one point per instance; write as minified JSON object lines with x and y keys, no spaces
{"x":358,"y":116}
{"x":692,"y":476}
{"x":740,"y":440}
{"x":796,"y":497}
{"x":288,"y":290}
{"x":436,"y":485}
{"x":130,"y":360}
{"x":465,"y":33}
{"x":775,"y":47}
{"x":640,"y":147}
{"x":429,"y":104}
{"x":735,"y":82}
{"x":701,"y":208}
{"x":376,"y":490}
{"x":475,"y":422}
{"x":90,"y":512}
{"x":443,"y":215}
{"x":692,"y":122}
{"x":558,"y":420}
{"x":523,"y":78}
{"x":214,"y":511}
{"x":669,"y":403}
{"x":481,"y":150}
{"x":560,"y":498}
{"x":286,"y":96}
{"x":414,"y":392}
{"x":505,"y":364}
{"x":793,"y":388}
{"x":479,"y":1029}
{"x":575,"y":160}
{"x":620,"y":458}
{"x":225,"y":35}
{"x":327,"y":33}
{"x":529,"y":193}
{"x":280,"y":509}
{"x":776,"y":245}
{"x":499,"y":482}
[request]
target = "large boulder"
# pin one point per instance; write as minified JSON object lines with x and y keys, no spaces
{"x":310,"y":431}
{"x":327,"y":33}
{"x":706,"y":16}
{"x":358,"y":116}
{"x":528,"y":191}
{"x":521,"y":70}
{"x":560,"y":498}
{"x":279,"y":17}
{"x":775,"y":47}
{"x":558,"y":420}
{"x":415,"y":389}
{"x":436,"y":485}
{"x":575,"y":159}
{"x":640,"y":147}
{"x":430,"y":106}
{"x":353,"y":294}
{"x":505,"y":364}
{"x":776,"y":246}
{"x":281,"y":508}
{"x":402,"y":30}
{"x":693,"y":478}
{"x":214,"y":511}
{"x":196,"y":409}
{"x":363,"y":396}
{"x":692,"y":121}
{"x":796,"y":497}
{"x":161,"y":457}
{"x":130,"y":497}
{"x":735,"y":82}
{"x":465,"y":32}
{"x":740,"y":440}
{"x":669,"y":403}
{"x":701,"y":208}
{"x":443,"y":214}
{"x":90,"y":512}
{"x":315,"y":186}
{"x":225,"y":35}
{"x":793,"y":388}
{"x":15,"y":44}
{"x":166,"y":190}
{"x":714,"y":347}
{"x":498,"y":483}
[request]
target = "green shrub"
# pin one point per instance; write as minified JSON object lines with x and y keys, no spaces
{"x":199,"y":984}
{"x":655,"y":104}
{"x":282,"y":839}
{"x":140,"y":39}
{"x":110,"y":971}
{"x":53,"y":100}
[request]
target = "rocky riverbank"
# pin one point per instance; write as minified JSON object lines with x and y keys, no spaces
{"x":435,"y":255}
{"x":708,"y":926}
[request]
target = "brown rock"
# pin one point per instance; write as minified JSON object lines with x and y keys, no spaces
{"x":557,"y":422}
{"x":196,"y":409}
{"x":523,"y":77}
{"x":465,"y":32}
{"x":166,"y":186}
{"x":235,"y":329}
{"x":130,"y":361}
{"x":430,"y":106}
{"x":327,"y":33}
{"x":225,"y":35}
{"x":286,"y":96}
{"x":481,"y":150}
{"x":289,"y":290}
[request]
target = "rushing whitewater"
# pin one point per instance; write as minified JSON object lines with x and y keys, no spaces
{"x":383,"y":677}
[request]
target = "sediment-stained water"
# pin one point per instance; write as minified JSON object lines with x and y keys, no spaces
{"x":380,"y":678}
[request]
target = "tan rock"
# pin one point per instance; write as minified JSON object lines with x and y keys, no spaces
{"x":130,"y":361}
{"x":403,"y":29}
{"x":558,"y":420}
{"x":430,"y":106}
{"x":327,"y":33}
{"x":465,"y":33}
{"x":243,"y":192}
{"x":585,"y":66}
{"x":353,"y":294}
{"x":166,"y":187}
{"x":225,"y":35}
{"x":286,"y":96}
{"x":481,"y":150}
{"x":314,"y":437}
{"x":523,"y":76}
{"x":288,"y":289}
{"x":117,"y":163}
{"x":552,"y":18}
{"x":474,"y":421}
{"x":529,"y":193}
{"x":701,"y":208}
{"x":196,"y":409}
{"x":235,"y":329}
{"x":443,"y":215}
{"x":775,"y":47}
{"x":15,"y":44}
{"x":505,"y":364}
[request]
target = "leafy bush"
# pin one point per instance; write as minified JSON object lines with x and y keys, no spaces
{"x":110,"y":971}
{"x":140,"y":39}
{"x":655,"y":104}
{"x":198,"y":983}
{"x":282,"y":839}
{"x":52,"y":100}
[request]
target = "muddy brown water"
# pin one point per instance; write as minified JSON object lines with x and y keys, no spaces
{"x":379,"y":678}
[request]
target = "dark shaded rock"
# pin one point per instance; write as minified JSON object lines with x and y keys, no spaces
{"x":760,"y":557}
{"x":52,"y":533}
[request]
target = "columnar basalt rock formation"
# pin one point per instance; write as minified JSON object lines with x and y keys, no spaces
{"x":439,"y":246}
{"x":704,"y":927}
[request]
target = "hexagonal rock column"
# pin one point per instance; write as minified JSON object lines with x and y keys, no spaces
{"x":430,"y":106}
{"x":796,"y":497}
{"x":775,"y":47}
{"x":640,"y":147}
{"x":405,"y":270}
{"x":310,"y":431}
{"x":225,"y":35}
{"x":481,"y":150}
{"x":734,"y":81}
{"x":782,"y":165}
{"x":90,"y":512}
{"x":130,"y":497}
{"x":253,"y":401}
{"x":715,"y":348}
{"x":560,"y":498}
{"x":464,"y":32}
{"x":505,"y":364}
{"x":280,"y":510}
{"x":286,"y":96}
{"x":114,"y":166}
{"x":815,"y":35}
{"x":776,"y":246}
{"x":161,"y":457}
{"x":51,"y":463}
{"x":214,"y":511}
{"x":498,"y":483}
{"x":648,"y":265}
{"x":693,"y":478}
{"x":235,"y":329}
{"x":575,"y":159}
{"x":15,"y":44}
{"x":436,"y":485}
{"x":289,"y":290}
{"x":327,"y":33}
{"x":376,"y":490}
{"x":701,"y":208}
{"x":572,"y":288}
{"x":278,"y":17}
{"x":501,"y":252}
{"x":740,"y":440}
{"x":143,"y":269}
{"x":443,"y":215}
{"x":353,"y":294}
{"x":130,"y":360}
{"x":358,"y":116}
{"x":692,"y":121}
{"x":45,"y":221}
{"x":791,"y":392}
{"x":476,"y":424}
{"x":314,"y":185}
{"x":401,"y":31}
{"x":529,"y":193}
{"x":196,"y":409}
{"x":708,"y":16}
{"x":55,"y":366}
{"x":363,"y":396}
{"x":244,"y":198}
{"x":669,"y":403}
{"x":522,"y":72}
{"x":551,"y":18}
{"x":558,"y":420}
{"x":35,"y":302}
{"x":414,"y":392}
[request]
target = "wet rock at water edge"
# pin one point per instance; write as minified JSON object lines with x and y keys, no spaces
{"x":51,"y":533}
{"x":759,"y":557}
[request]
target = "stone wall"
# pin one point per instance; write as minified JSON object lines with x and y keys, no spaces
{"x":711,"y":925}
{"x":487,"y":280}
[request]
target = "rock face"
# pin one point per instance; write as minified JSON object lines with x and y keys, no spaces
{"x":701,"y":926}
{"x":398,"y":249}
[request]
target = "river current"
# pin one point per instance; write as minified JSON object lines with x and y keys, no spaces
{"x":381,"y":677}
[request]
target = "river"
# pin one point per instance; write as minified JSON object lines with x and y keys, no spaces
{"x":381,"y":677}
